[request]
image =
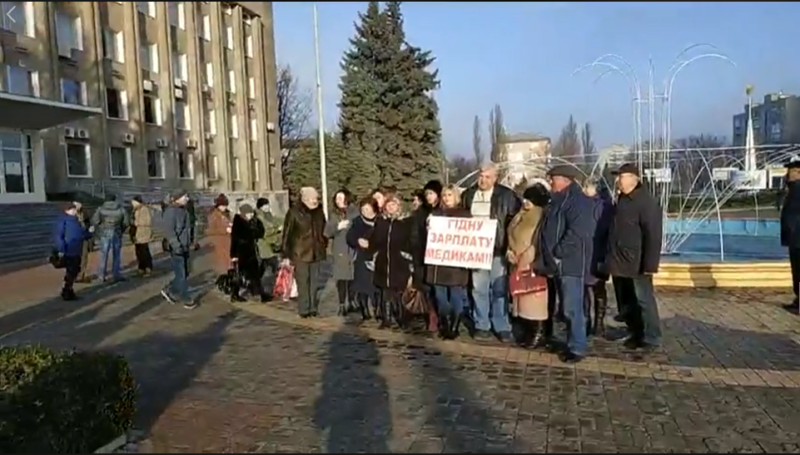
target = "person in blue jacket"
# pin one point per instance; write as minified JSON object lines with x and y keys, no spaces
{"x":68,"y":237}
{"x":566,"y":243}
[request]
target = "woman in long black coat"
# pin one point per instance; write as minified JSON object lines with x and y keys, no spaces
{"x":391,"y":243}
{"x":358,"y":235}
{"x":246,"y":230}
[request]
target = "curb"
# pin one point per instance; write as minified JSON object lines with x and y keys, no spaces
{"x":597,"y":365}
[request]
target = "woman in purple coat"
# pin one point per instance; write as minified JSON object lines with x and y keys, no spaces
{"x":596,"y":298}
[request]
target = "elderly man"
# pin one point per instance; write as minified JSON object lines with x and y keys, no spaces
{"x":790,"y":225}
{"x":566,"y":252}
{"x":175,"y":222}
{"x":304,"y":245}
{"x":488,"y":199}
{"x":633,"y":258}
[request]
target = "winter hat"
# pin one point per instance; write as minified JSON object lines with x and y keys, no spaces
{"x":244,"y":209}
{"x":435,"y":186}
{"x":537,"y":194}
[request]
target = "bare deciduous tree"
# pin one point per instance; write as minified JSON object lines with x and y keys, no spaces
{"x":294,"y":112}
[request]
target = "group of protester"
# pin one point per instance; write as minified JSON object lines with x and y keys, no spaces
{"x":567,"y":231}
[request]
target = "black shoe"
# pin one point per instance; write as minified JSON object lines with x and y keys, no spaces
{"x":793,"y":306}
{"x":305,"y":316}
{"x":313,"y":314}
{"x":444,"y":327}
{"x":455,"y":325}
{"x":632,"y":343}
{"x":190,"y":305}
{"x":342,"y":310}
{"x":235,"y":297}
{"x":619,"y":318}
{"x":483,"y":335}
{"x":68,"y":295}
{"x":505,"y":337}
{"x":570,"y":357}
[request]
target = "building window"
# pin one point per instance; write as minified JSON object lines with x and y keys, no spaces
{"x":206,"y":30}
{"x":185,"y":165}
{"x":251,"y":88}
{"x":18,"y":17}
{"x":213,"y":167}
{"x":210,"y":74}
{"x":248,"y":46}
{"x":234,"y":126}
{"x":148,"y":57}
{"x":147,"y":8}
{"x":73,"y":92}
{"x":236,"y":171}
{"x":182,"y":116}
{"x":79,"y":160}
{"x":114,"y":46}
{"x":253,"y":129}
{"x":256,"y":171}
{"x":116,"y":104}
{"x":211,"y":121}
{"x":177,"y":14}
{"x":69,"y":33}
{"x":229,"y":37}
{"x":152,"y":110}
{"x":180,"y":66}
{"x":155,"y":164}
{"x":232,"y":81}
{"x":119,"y":161}
{"x":21,"y":81}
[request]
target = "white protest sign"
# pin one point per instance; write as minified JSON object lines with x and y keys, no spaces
{"x":460,"y":242}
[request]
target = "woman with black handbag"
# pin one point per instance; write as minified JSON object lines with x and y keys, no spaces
{"x":246,"y":230}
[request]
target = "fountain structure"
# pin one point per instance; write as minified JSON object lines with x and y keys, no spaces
{"x":721,"y":223}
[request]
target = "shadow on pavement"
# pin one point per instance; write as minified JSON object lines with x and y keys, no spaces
{"x":353,"y":410}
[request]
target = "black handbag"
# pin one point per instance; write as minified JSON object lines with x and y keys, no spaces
{"x":56,"y":260}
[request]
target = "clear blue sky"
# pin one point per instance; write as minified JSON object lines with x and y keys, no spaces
{"x":521,"y":55}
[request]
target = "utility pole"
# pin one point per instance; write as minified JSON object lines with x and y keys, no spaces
{"x":323,"y":172}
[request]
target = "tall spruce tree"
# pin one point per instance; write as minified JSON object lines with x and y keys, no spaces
{"x":360,"y":103}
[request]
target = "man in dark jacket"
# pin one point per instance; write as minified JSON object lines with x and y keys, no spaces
{"x":69,"y":236}
{"x":488,"y":199}
{"x":177,"y":235}
{"x":109,"y":222}
{"x":566,"y":252}
{"x":790,"y":225}
{"x":633,"y":258}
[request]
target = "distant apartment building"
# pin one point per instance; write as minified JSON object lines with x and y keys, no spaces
{"x":527,"y":155}
{"x":159,"y":94}
{"x":776,"y":120}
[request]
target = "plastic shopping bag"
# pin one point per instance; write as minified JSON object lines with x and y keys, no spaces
{"x":293,"y":293}
{"x":284,"y":283}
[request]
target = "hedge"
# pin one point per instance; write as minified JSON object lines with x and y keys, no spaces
{"x":62,"y":401}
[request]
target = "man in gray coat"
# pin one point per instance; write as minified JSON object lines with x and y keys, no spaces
{"x":109,"y":222}
{"x":178,"y":241}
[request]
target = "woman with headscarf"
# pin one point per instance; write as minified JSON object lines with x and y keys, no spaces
{"x":245,"y":232}
{"x":531,"y":309}
{"x":339,"y":221}
{"x":218,"y":232}
{"x":390,"y":242}
{"x":304,"y":246}
{"x":363,"y":286}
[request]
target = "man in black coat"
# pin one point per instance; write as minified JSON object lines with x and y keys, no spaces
{"x":488,"y":199}
{"x":634,"y":256}
{"x":790,"y":225}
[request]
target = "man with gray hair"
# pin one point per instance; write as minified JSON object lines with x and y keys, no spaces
{"x":488,"y":199}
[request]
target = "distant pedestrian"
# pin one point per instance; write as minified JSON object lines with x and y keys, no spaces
{"x":69,"y":236}
{"x":634,"y":256}
{"x":178,"y":241}
{"x":109,"y":222}
{"x":339,"y":221}
{"x":142,"y":235}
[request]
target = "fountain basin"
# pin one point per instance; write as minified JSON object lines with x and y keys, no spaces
{"x":747,"y":254}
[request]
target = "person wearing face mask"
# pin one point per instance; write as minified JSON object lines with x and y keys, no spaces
{"x":339,"y":222}
{"x":245,"y":232}
{"x":390,"y":242}
{"x":304,"y":246}
{"x":358,"y":235}
{"x":790,"y":226}
{"x":566,"y":252}
{"x":633,"y":258}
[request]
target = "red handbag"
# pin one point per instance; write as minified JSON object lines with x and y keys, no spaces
{"x":522,"y":282}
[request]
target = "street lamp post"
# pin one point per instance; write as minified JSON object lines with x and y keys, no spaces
{"x":323,"y":172}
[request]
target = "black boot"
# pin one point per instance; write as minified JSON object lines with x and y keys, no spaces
{"x":455,"y":325}
{"x":444,"y":326}
{"x":588,"y":297}
{"x":538,"y":337}
{"x":382,"y":315}
{"x":600,"y":306}
{"x":68,"y":294}
{"x":363,"y":306}
{"x":342,"y":310}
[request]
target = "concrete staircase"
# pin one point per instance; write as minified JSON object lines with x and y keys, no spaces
{"x":26,"y":231}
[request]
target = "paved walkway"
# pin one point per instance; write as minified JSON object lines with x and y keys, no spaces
{"x":254,"y":378}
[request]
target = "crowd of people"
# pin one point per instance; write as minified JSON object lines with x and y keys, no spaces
{"x":571,"y":232}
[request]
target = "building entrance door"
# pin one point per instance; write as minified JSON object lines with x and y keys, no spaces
{"x":16,"y":156}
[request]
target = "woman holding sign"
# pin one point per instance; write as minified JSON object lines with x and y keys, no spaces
{"x":449,"y":283}
{"x":390,"y":242}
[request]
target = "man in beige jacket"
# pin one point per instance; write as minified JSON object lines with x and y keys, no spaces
{"x":141,"y":235}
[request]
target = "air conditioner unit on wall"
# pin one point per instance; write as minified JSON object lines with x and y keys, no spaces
{"x":178,"y":93}
{"x":162,"y":143}
{"x":83,"y":134}
{"x":191,"y":143}
{"x":69,"y":132}
{"x":128,"y":138}
{"x":147,"y":85}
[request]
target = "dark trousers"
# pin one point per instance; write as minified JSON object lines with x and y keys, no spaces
{"x":72,"y":268}
{"x":794,"y":261}
{"x":343,"y":292}
{"x":390,"y":308}
{"x":144,"y":259}
{"x":365,"y":300}
{"x":307,"y":276}
{"x":637,"y":301}
{"x":251,"y":272}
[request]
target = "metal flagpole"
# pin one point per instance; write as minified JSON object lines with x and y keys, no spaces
{"x":323,"y":173}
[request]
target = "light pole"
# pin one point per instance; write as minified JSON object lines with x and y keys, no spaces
{"x":323,"y":172}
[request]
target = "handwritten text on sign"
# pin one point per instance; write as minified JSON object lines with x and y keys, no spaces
{"x":460,"y":242}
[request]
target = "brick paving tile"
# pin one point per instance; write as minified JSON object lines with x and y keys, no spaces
{"x":223,"y":379}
